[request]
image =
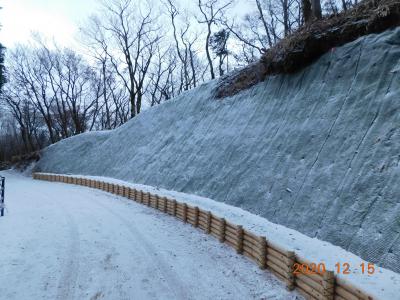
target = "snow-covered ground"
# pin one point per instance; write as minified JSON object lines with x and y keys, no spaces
{"x":382,"y":284}
{"x":62,"y":241}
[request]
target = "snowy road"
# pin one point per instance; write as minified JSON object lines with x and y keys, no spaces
{"x":68,"y":242}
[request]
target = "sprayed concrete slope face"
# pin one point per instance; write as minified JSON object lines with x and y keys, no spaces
{"x":317,"y":151}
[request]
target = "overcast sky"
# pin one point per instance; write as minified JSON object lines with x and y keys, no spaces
{"x":58,"y":19}
{"x":52,"y":18}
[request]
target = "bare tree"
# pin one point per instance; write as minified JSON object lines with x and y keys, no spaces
{"x":135,"y":37}
{"x":28,"y":73}
{"x":211,"y":11}
{"x":184,"y":47}
{"x":26,"y":117}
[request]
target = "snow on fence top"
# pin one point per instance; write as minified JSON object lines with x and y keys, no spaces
{"x":311,"y":277}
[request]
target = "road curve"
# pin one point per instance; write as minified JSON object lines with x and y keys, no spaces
{"x":69,"y":242}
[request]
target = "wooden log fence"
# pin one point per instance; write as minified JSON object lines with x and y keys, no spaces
{"x":259,"y":249}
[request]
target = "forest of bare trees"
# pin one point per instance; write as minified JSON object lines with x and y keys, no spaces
{"x":135,"y":54}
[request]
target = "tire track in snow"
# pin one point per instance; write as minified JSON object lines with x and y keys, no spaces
{"x":67,"y":282}
{"x":175,"y":286}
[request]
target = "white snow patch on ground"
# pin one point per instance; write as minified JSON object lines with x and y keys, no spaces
{"x":383,"y":284}
{"x":63,"y":241}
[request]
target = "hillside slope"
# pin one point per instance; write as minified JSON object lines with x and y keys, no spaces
{"x":317,"y":151}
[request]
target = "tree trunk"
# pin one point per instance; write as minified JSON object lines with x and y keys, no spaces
{"x":344,"y":5}
{"x":132,"y":99}
{"x":139,"y":102}
{"x":208,"y":52}
{"x":316,"y":8}
{"x":307,"y":12}
{"x":286,"y":17}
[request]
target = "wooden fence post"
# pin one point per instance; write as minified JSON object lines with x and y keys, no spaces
{"x":134,"y":194}
{"x":222,"y":230}
{"x":165,"y":204}
{"x":185,"y":209}
{"x":208,"y":227}
{"x":329,"y":285}
{"x":196,"y":216}
{"x":174,"y":207}
{"x":141,"y":196}
{"x":289,"y":275}
{"x":148,"y":198}
{"x":263,"y":253}
{"x":157,"y":201}
{"x":239,"y":239}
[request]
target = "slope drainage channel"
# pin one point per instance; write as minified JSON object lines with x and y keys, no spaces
{"x":321,"y":284}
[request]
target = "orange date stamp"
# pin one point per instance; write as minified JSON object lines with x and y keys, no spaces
{"x":340,"y":268}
